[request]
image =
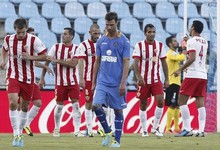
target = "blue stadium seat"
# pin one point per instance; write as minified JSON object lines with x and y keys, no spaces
{"x":136,"y":37}
{"x":76,"y":39}
{"x":101,"y":23}
{"x":39,"y":24}
{"x":42,"y":1}
{"x":77,"y":8}
{"x":205,"y":25}
{"x":58,"y":24}
{"x":18,"y":1}
{"x":134,"y":1}
{"x":161,"y":36}
{"x":201,"y":1}
{"x":180,"y":35}
{"x":82,"y":25}
{"x":4,"y":1}
{"x":178,"y":1}
{"x":96,"y":10}
{"x":121,"y":9}
{"x":206,"y":35}
{"x":9,"y":25}
{"x":86,"y":36}
{"x":142,"y":10}
{"x":28,"y":10}
{"x":155,"y":21}
{"x":205,"y":11}
{"x":156,"y":1}
{"x":165,"y":10}
{"x":7,"y":9}
{"x":191,"y":10}
{"x":174,"y":25}
{"x":51,"y":10}
{"x":110,"y":1}
{"x":48,"y":38}
{"x":129,"y":25}
{"x":87,"y":1}
{"x":65,"y":1}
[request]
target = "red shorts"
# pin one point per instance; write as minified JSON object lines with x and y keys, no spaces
{"x":22,"y":88}
{"x":62,"y":93}
{"x":36,"y":93}
{"x":144,"y":92}
{"x":88,"y":93}
{"x":193,"y":87}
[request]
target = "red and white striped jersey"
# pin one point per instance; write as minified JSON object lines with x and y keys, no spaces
{"x":18,"y":68}
{"x":86,"y":50}
{"x":149,"y":55}
{"x":64,"y":75}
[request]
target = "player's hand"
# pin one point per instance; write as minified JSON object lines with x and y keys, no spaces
{"x":52,"y":59}
{"x":50,"y":71}
{"x":122,"y":89}
{"x":140,"y":81}
{"x":26,"y":56}
{"x":41,"y":83}
{"x":176,"y":73}
{"x":2,"y":65}
{"x":93,"y":86}
{"x":166,"y":84}
{"x":82,"y":83}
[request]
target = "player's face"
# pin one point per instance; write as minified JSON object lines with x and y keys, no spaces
{"x":175,"y":44}
{"x":95,"y":34}
{"x":150,"y":34}
{"x":111,"y":26}
{"x":66,"y":37}
{"x":20,"y":33}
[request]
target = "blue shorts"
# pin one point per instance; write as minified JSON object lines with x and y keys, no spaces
{"x":109,"y":96}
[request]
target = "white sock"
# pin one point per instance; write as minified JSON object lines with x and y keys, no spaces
{"x":22,"y":121}
{"x":76,"y":116}
{"x":157,"y":115}
{"x":112,"y":118}
{"x":202,"y":118}
{"x":32,"y":114}
{"x":57,"y":115}
{"x":88,"y":116}
{"x":143,"y":120}
{"x":13,"y":114}
{"x":186,"y":117}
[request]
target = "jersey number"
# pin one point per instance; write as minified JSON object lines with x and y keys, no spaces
{"x":201,"y":53}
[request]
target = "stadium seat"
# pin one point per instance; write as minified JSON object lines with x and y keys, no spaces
{"x":178,"y":1}
{"x":155,"y":21}
{"x":136,"y":37}
{"x":65,"y":1}
{"x":134,"y":1}
{"x":142,"y":10}
{"x":7,"y":9}
{"x":87,"y":1}
{"x":101,"y":23}
{"x":180,"y":35}
{"x":206,"y":35}
{"x":121,"y":9}
{"x":129,"y":25}
{"x":165,"y":10}
{"x":191,"y":10}
{"x":28,"y":10}
{"x":205,"y":25}
{"x":201,"y":1}
{"x":5,"y":1}
{"x":110,"y":1}
{"x":58,"y":24}
{"x":77,"y":8}
{"x":76,"y":39}
{"x":42,"y":1}
{"x":39,"y":24}
{"x":82,"y":25}
{"x":48,"y":38}
{"x":9,"y":25}
{"x":51,"y":10}
{"x":155,"y":1}
{"x":206,"y":10}
{"x":174,"y":25}
{"x":161,"y":36}
{"x":96,"y":10}
{"x":86,"y":36}
{"x":18,"y":1}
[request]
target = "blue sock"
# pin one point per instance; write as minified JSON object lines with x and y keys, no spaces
{"x":100,"y":114}
{"x":119,"y":120}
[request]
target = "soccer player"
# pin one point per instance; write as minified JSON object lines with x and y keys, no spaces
{"x":36,"y":98}
{"x":146,"y":55}
{"x":109,"y":77}
{"x":63,"y":55}
{"x":86,"y":55}
{"x":194,"y":84}
{"x":22,"y":50}
{"x":173,"y":61}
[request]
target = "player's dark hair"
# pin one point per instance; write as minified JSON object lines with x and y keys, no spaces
{"x":30,"y":29}
{"x":148,"y":26}
{"x":198,"y":26}
{"x":111,"y":15}
{"x":20,"y":23}
{"x":169,"y":40}
{"x":70,"y":30}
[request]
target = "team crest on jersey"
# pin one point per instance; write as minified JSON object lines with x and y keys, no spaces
{"x":116,"y":44}
{"x":108,"y":52}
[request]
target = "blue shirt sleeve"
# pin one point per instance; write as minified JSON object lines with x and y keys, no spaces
{"x":126,"y":48}
{"x":98,"y":47}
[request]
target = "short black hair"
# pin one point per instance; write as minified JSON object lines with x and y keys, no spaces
{"x":30,"y":29}
{"x":71,"y":31}
{"x":198,"y":26}
{"x":169,"y":40}
{"x":111,"y":15}
{"x":20,"y":23}
{"x":148,"y":26}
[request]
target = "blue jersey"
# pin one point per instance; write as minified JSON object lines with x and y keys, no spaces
{"x":112,"y":53}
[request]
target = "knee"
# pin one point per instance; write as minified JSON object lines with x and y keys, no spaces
{"x":96,"y":107}
{"x":37,"y":103}
{"x":143,"y":105}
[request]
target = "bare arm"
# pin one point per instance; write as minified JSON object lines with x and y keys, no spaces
{"x":95,"y":71}
{"x":4,"y":59}
{"x":40,"y":65}
{"x":137,"y":72}
{"x":42,"y":82}
{"x":165,"y":71}
{"x":68,"y":63}
{"x":126,"y":62}
{"x":27,"y":56}
{"x":81,"y":70}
